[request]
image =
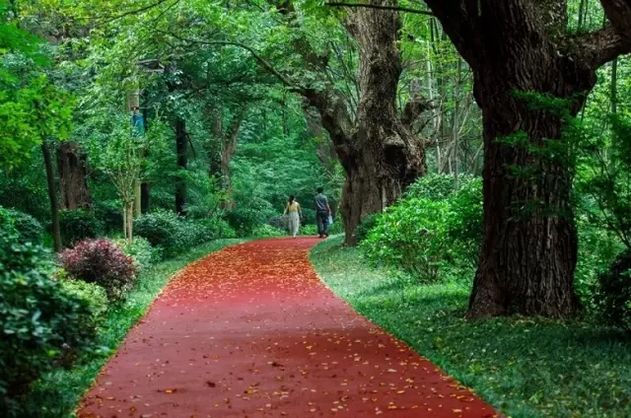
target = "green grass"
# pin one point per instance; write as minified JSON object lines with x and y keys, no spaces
{"x":524,"y":367}
{"x":57,"y":393}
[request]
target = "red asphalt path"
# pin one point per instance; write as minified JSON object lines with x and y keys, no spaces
{"x":250,"y":331}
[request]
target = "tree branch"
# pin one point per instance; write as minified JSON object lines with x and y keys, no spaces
{"x":254,"y":54}
{"x":111,"y":18}
{"x":413,"y":109}
{"x":619,"y":14}
{"x":599,"y":47}
{"x":382,"y":7}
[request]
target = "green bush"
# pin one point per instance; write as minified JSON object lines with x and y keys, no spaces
{"x":140,"y":250}
{"x":110,"y":214}
{"x":464,"y":223}
{"x":309,"y":229}
{"x":411,"y":236}
{"x":77,"y":225}
{"x":243,"y":220}
{"x":44,"y":324}
{"x":93,"y":294}
{"x":367,"y":223}
{"x":27,"y":227}
{"x":173,"y":234}
{"x":433,"y":187}
{"x":162,"y":229}
{"x":15,"y":254}
{"x":613,"y":296}
{"x":216,"y":228}
{"x":266,"y":230}
{"x":429,"y":238}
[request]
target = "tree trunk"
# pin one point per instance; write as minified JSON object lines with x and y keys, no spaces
{"x":181,"y":141}
{"x":52,"y":195}
{"x":73,"y":175}
{"x":386,"y":158}
{"x":145,"y":197}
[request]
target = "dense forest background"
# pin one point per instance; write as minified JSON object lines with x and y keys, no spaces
{"x":446,"y":155}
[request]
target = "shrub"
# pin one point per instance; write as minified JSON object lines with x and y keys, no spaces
{"x":140,"y":250}
{"x":110,"y":214}
{"x":93,"y":294}
{"x":77,"y":225}
{"x":266,"y":230}
{"x":27,"y":227}
{"x":161,"y":228}
{"x":367,"y":223}
{"x":174,"y":234}
{"x":464,"y":223}
{"x":102,"y":262}
{"x":432,"y":187}
{"x":309,"y":229}
{"x":17,"y":255}
{"x":614,"y":292}
{"x":243,"y":220}
{"x":410,"y":236}
{"x":44,"y":323}
{"x":217,"y":228}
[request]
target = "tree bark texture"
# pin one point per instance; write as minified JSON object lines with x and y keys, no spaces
{"x":181,"y":148}
{"x":386,"y":158}
{"x":528,"y":254}
{"x":379,"y":155}
{"x":73,"y":175}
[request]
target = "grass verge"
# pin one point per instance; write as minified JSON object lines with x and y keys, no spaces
{"x":57,"y":393}
{"x":524,"y":367}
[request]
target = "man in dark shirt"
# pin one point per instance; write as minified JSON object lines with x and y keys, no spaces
{"x":323,"y":210}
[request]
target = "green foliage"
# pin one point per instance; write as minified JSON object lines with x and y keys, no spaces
{"x":266,"y":230}
{"x":411,"y":236}
{"x":244,"y":220}
{"x":464,"y":223}
{"x":27,"y":227}
{"x":42,"y":323}
{"x":162,"y":229}
{"x":141,"y":251}
{"x":604,"y":177}
{"x":92,"y":294}
{"x":614,"y":292}
{"x":429,"y":238}
{"x":31,"y":107}
{"x":173,"y":234}
{"x":77,"y":225}
{"x":433,"y":187}
{"x":215,"y":228}
{"x":364,"y":227}
{"x":556,"y":369}
{"x":309,"y":229}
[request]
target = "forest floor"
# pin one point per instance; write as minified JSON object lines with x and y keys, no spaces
{"x":251,"y":331}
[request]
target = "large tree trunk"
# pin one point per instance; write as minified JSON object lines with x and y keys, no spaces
{"x":379,"y":155}
{"x":528,"y":253}
{"x":73,"y":175}
{"x":386,"y":158}
{"x":181,"y":141}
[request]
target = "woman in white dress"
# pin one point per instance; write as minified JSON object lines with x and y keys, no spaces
{"x":295,"y":213}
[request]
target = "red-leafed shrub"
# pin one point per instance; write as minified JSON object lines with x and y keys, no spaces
{"x":100,"y":261}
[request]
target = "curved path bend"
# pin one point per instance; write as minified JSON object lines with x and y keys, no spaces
{"x":250,"y":331}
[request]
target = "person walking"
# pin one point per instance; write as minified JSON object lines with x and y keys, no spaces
{"x":295,"y":213}
{"x":323,"y":212}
